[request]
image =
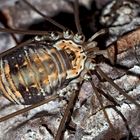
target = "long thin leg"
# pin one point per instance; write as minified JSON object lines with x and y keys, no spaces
{"x":67,"y":115}
{"x":28,"y":108}
{"x":14,"y":48}
{"x":125,"y":121}
{"x":111,"y":99}
{"x":44,"y":16}
{"x":117,"y":87}
{"x":5,"y":24}
{"x":24,"y":32}
{"x":102,"y":106}
{"x":76,"y":16}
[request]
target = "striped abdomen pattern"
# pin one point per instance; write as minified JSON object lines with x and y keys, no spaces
{"x":29,"y":74}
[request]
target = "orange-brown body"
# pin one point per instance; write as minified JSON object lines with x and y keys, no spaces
{"x":36,"y":71}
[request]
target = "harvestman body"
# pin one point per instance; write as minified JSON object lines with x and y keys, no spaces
{"x":51,"y":64}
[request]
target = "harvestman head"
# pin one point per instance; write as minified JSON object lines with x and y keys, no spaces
{"x":89,"y":49}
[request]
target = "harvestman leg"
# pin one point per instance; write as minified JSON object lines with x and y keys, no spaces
{"x":115,"y":103}
{"x":111,"y":99}
{"x":67,"y":115}
{"x":101,"y":104}
{"x":5,"y":23}
{"x":117,"y":87}
{"x":53,"y":97}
